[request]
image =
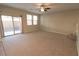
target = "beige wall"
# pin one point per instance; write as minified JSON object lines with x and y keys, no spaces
{"x":5,"y":10}
{"x":62,"y":22}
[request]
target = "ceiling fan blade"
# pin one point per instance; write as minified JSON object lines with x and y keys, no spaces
{"x":47,"y":8}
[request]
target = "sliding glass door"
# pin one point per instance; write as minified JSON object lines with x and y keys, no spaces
{"x":11,"y":25}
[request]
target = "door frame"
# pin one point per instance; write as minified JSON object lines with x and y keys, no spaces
{"x":2,"y":28}
{"x":14,"y":26}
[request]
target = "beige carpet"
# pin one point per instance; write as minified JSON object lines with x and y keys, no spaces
{"x":39,"y":44}
{"x":1,"y":49}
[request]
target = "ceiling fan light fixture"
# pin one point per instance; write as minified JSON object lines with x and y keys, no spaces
{"x":42,"y":9}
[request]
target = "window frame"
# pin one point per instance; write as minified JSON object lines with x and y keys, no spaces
{"x":35,"y":20}
{"x":32,"y":20}
{"x":29,"y":19}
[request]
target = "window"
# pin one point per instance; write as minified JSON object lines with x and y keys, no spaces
{"x":29,"y":19}
{"x":35,"y":20}
{"x":32,"y":19}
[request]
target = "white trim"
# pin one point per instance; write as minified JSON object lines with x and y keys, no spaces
{"x":59,"y":32}
{"x":55,"y":32}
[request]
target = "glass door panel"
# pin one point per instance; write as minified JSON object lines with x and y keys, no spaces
{"x":17,"y":24}
{"x":7,"y":25}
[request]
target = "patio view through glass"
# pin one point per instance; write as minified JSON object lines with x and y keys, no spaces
{"x":11,"y":25}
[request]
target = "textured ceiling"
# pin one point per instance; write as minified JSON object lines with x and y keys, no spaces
{"x":33,"y":7}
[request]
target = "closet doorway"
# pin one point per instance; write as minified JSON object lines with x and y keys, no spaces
{"x":11,"y":25}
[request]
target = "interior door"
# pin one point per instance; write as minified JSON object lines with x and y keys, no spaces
{"x":7,"y":25}
{"x":17,"y":25}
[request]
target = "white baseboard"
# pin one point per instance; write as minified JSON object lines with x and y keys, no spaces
{"x":55,"y":32}
{"x":59,"y":32}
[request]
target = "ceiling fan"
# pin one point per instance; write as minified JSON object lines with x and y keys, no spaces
{"x":42,"y":7}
